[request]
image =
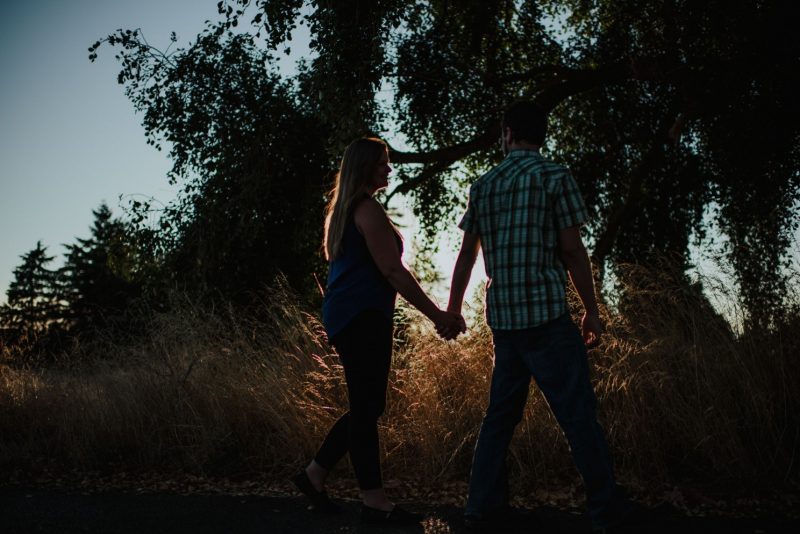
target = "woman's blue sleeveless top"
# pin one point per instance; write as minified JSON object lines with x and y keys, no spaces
{"x":355,"y":284}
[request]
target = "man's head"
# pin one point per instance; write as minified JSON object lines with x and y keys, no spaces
{"x":524,"y":122}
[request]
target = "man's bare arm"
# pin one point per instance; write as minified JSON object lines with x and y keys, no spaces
{"x":574,"y":257}
{"x":462,"y":271}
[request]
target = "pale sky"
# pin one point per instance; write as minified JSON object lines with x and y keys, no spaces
{"x":70,"y":138}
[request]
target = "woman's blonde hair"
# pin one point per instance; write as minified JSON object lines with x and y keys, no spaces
{"x":357,"y":168}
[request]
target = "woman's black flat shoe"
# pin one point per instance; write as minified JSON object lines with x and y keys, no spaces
{"x":319,"y":499}
{"x":396,"y":516}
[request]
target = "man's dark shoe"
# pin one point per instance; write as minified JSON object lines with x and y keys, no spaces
{"x":319,"y":499}
{"x":396,"y":516}
{"x":506,"y":518}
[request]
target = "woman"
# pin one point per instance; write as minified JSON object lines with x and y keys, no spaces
{"x":366,"y":273}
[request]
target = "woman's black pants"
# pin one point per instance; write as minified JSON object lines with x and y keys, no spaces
{"x":365,"y":350}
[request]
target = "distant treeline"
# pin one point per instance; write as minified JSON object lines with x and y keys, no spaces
{"x":111,"y":282}
{"x":92,"y":291}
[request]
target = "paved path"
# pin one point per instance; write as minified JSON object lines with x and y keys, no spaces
{"x":52,"y":511}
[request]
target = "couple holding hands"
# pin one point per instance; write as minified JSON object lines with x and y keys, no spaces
{"x":525,"y":214}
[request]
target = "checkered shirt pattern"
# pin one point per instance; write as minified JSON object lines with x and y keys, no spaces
{"x":517,"y":210}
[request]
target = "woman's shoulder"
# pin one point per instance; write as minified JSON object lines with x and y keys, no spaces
{"x":368,"y":209}
{"x":369,"y":215}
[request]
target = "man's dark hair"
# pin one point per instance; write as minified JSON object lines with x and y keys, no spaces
{"x":528,"y":122}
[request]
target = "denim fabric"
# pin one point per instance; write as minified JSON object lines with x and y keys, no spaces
{"x":555,"y":355}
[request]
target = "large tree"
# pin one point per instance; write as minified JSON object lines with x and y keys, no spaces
{"x":673,"y":114}
{"x":249,"y":149}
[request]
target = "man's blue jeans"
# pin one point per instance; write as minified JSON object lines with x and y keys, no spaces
{"x":555,"y":355}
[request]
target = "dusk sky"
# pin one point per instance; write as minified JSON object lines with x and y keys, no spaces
{"x":70,"y":139}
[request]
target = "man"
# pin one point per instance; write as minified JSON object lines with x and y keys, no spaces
{"x":526,"y":214}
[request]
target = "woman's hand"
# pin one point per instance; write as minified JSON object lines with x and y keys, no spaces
{"x":449,"y":324}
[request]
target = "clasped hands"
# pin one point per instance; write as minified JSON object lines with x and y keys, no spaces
{"x":450,"y":324}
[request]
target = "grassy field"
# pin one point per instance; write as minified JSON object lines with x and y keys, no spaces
{"x":684,"y":399}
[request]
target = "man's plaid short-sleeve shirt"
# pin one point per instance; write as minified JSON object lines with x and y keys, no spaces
{"x":517,"y":209}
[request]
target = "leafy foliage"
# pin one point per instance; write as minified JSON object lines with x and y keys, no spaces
{"x":251,"y":158}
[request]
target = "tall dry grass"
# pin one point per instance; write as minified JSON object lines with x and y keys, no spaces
{"x":683,"y":397}
{"x":206,"y":389}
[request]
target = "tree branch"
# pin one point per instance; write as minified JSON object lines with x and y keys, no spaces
{"x":576,"y":82}
{"x":528,"y":75}
{"x":451,"y":153}
{"x":426,"y":174}
{"x":573,"y":82}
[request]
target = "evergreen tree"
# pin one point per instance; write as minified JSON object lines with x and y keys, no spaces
{"x":33,"y":305}
{"x":97,"y":280}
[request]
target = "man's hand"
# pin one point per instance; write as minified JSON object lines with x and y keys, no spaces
{"x":449,"y":325}
{"x":591,"y":329}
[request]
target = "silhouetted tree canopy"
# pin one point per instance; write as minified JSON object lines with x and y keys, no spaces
{"x":250,"y":151}
{"x":674,"y":115}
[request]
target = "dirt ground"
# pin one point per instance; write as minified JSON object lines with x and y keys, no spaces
{"x":47,"y":510}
